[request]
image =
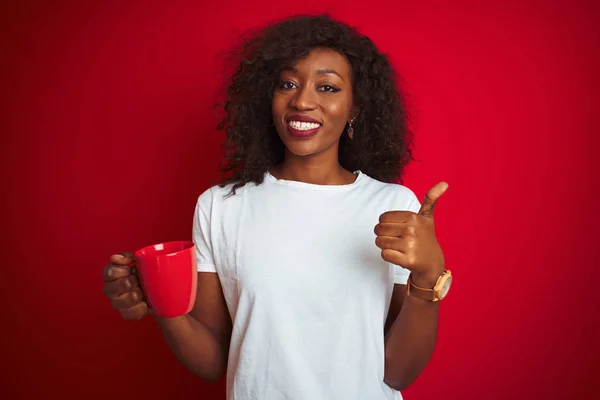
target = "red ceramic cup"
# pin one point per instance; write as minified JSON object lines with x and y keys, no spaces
{"x":169,"y":277}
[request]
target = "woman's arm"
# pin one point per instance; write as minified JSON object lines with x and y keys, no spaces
{"x":411,"y":332}
{"x":200,"y":339}
{"x":408,"y":239}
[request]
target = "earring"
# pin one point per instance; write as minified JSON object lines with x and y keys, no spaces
{"x":350,"y":128}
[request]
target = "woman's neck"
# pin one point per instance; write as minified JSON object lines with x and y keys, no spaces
{"x":318,"y":172}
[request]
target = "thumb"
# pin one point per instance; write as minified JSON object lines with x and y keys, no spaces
{"x":431,"y":199}
{"x":124,"y":258}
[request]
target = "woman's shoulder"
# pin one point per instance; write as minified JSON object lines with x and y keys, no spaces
{"x":221,"y":194}
{"x":395,"y":193}
{"x":394,"y":188}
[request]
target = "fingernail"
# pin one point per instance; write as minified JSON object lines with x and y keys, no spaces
{"x":111,"y":272}
{"x":119,"y":256}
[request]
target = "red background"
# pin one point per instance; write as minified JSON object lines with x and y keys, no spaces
{"x":108,"y":138}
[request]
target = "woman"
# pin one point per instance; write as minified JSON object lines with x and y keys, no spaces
{"x":300,"y":290}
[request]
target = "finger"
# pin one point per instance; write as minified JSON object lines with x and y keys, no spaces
{"x":395,"y":257}
{"x":431,"y":199}
{"x":393,"y":243}
{"x":124,"y":258}
{"x":395,"y":229}
{"x":127,"y":300}
{"x":120,"y":286}
{"x":398,"y":216}
{"x":136,"y":312}
{"x":113,"y":272}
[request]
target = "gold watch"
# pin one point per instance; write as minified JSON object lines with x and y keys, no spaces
{"x":439,"y":291}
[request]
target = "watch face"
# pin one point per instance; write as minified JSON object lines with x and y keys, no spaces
{"x":446,"y":287}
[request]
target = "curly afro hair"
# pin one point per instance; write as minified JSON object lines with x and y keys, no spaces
{"x":381,"y":146}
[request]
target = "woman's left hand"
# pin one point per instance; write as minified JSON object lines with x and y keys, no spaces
{"x":408,"y":239}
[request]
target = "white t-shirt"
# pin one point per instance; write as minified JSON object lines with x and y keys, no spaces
{"x":305,"y":284}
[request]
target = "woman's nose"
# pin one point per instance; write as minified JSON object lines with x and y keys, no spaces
{"x":304,"y":99}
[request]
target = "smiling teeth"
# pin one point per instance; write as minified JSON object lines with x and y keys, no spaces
{"x":303,"y":126}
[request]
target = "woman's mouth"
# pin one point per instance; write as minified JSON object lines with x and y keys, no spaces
{"x":303,"y":130}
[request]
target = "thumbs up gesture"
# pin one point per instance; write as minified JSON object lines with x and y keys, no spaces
{"x":408,"y":239}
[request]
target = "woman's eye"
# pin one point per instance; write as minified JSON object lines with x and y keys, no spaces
{"x":329,"y":88}
{"x":286,"y":85}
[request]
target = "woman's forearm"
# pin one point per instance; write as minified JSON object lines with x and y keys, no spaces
{"x":195,"y":346}
{"x":410,"y":341}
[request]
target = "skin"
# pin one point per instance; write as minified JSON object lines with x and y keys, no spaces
{"x":200,"y":339}
{"x":319,"y":86}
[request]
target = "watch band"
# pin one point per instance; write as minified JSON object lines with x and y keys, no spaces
{"x":421,"y":293}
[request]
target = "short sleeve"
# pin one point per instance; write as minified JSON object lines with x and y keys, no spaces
{"x":401,"y":274}
{"x":201,"y":233}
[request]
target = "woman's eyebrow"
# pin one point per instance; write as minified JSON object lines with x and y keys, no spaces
{"x":329,"y":71}
{"x":323,"y":71}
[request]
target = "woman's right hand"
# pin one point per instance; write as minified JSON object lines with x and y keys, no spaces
{"x":122,"y":287}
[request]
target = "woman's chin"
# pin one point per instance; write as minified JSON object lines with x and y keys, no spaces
{"x":303,"y":150}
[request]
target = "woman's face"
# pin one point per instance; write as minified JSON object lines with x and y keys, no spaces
{"x":312,"y":103}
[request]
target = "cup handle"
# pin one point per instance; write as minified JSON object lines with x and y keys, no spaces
{"x":135,"y":271}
